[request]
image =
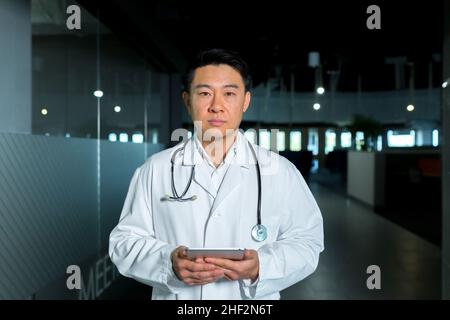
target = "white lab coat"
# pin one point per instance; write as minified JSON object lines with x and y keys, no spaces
{"x":150,"y":229}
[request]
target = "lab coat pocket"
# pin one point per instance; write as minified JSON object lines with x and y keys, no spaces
{"x":272,"y":224}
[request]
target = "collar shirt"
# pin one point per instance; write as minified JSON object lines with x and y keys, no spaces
{"x":218,"y":173}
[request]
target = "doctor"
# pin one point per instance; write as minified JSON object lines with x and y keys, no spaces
{"x":217,"y":190}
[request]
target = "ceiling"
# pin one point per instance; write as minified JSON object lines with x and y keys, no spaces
{"x":279,"y":35}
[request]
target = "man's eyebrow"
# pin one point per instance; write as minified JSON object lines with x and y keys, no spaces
{"x":235,"y":86}
{"x":204,"y":85}
{"x":201,"y":85}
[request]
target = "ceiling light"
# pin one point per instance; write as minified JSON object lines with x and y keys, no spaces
{"x":98,"y":93}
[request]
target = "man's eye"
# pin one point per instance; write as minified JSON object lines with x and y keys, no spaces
{"x":204,"y":94}
{"x":230,"y":94}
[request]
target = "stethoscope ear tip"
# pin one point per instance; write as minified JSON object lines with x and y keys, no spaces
{"x":165,"y":198}
{"x":194,"y":198}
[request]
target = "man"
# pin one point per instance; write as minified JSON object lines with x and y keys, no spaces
{"x":217,"y":172}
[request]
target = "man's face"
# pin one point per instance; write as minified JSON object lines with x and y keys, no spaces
{"x":217,"y":99}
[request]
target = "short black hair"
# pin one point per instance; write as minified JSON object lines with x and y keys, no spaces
{"x":216,"y":57}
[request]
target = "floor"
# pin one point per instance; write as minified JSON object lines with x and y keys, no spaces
{"x":424,"y":221}
{"x":355,"y":238}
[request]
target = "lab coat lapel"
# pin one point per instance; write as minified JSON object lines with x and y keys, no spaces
{"x":202,"y":179}
{"x":236,"y":172}
{"x":191,"y":157}
{"x":230,"y":182}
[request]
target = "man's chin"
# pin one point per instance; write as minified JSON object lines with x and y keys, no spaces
{"x":215,"y":133}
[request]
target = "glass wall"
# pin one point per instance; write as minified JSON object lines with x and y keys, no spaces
{"x":80,"y":110}
{"x":82,"y":76}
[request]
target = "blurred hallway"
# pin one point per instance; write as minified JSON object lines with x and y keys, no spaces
{"x":356,"y":238}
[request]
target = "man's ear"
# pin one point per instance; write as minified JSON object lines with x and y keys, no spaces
{"x":186,"y":100}
{"x":247,"y":99}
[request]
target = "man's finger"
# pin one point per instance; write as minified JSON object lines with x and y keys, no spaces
{"x":197,"y":281}
{"x":249,"y":254}
{"x":198,"y":267}
{"x":199,"y":260}
{"x":206,"y":274}
{"x":181,"y":252}
{"x":230,"y":275}
{"x":223,"y":263}
{"x":191,"y":282}
{"x":211,"y":280}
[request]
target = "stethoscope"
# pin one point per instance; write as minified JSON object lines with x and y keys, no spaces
{"x":259,"y":231}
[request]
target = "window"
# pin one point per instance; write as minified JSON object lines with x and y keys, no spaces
{"x":346,"y":139}
{"x":250,"y":134}
{"x":380,"y":143}
{"x":123,"y":137}
{"x":401,"y":138}
{"x":295,"y":141}
{"x":281,"y":140}
{"x":435,"y":138}
{"x":359,"y":137}
{"x":137,"y":138}
{"x":154,"y":138}
{"x":264,"y":139}
{"x":313,"y":141}
{"x":330,"y":141}
{"x":419,"y":138}
{"x":112,"y":137}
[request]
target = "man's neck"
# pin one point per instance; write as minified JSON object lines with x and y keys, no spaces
{"x":218,"y":149}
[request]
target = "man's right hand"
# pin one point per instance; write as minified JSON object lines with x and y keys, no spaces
{"x":194,"y":272}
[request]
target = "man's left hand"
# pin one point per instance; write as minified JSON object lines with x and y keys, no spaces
{"x":247,"y":268}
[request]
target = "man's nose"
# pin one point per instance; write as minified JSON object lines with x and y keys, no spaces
{"x":216,"y":104}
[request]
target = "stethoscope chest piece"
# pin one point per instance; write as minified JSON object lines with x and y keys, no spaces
{"x":259,"y":233}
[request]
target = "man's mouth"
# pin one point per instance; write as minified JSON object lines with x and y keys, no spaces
{"x":216,"y":122}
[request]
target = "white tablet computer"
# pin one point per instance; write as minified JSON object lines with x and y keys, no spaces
{"x":227,"y":253}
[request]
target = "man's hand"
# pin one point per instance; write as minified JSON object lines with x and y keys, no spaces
{"x":248,"y":268}
{"x":196,"y":272}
